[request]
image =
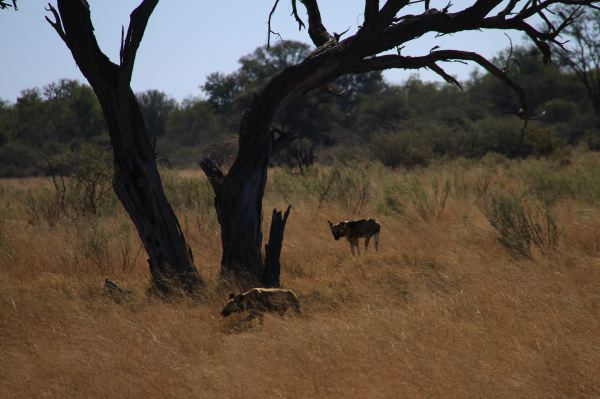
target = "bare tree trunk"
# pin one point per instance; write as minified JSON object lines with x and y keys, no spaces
{"x":238,"y":202}
{"x":273,"y":249}
{"x":239,"y":194}
{"x":137,"y":182}
{"x":138,"y":185}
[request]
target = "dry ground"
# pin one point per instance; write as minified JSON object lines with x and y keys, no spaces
{"x":442,"y":310}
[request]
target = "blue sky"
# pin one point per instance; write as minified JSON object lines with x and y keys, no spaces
{"x":187,"y":40}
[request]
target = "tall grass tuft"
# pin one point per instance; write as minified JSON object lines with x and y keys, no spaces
{"x":412,"y":192}
{"x":521,"y":225}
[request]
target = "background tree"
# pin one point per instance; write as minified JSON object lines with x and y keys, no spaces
{"x":239,"y":193}
{"x":156,"y":107}
{"x":136,"y":182}
{"x":582,"y":53}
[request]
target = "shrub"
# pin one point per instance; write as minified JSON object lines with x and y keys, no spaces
{"x":520,"y":226}
{"x":82,"y":179}
{"x":428,"y":203}
{"x":351,"y":187}
{"x":592,"y":139}
{"x":18,"y":160}
{"x":506,"y":136}
{"x":400,"y":149}
{"x":345,"y":184}
{"x":391,"y":202}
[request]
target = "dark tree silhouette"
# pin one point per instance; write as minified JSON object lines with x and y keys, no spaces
{"x":4,"y":4}
{"x":582,"y":54}
{"x":136,"y":182}
{"x":239,"y":193}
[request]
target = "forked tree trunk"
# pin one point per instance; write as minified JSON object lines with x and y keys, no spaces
{"x":238,"y":202}
{"x":239,"y":194}
{"x":137,"y":182}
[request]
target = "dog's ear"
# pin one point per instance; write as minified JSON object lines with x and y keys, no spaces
{"x":330,"y":224}
{"x":231,"y":296}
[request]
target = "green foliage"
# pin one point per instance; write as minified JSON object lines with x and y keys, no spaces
{"x":156,"y":108}
{"x":401,"y":148}
{"x":18,"y":160}
{"x":592,"y":139}
{"x":402,"y":125}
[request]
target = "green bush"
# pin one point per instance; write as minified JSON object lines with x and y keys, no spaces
{"x":400,"y":149}
{"x":18,"y":160}
{"x":592,"y":139}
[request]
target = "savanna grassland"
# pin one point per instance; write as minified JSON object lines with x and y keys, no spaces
{"x":486,"y":284}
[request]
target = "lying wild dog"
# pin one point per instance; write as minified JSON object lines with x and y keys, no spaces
{"x":355,"y":229}
{"x":260,"y":300}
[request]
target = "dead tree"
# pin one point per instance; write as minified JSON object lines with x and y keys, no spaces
{"x":136,"y":182}
{"x":239,"y":193}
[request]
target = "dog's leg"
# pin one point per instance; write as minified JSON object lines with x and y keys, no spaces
{"x":376,"y":241}
{"x":367,"y":238}
{"x":253,"y":314}
{"x":355,"y":242}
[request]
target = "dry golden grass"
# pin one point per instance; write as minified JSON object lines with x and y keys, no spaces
{"x":442,"y":310}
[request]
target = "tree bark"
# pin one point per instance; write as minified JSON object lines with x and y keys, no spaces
{"x":273,"y":249}
{"x":137,"y":182}
{"x":138,"y":185}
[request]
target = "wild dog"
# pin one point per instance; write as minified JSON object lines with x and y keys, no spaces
{"x":260,"y":300}
{"x":355,"y":229}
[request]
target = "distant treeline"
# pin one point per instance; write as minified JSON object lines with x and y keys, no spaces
{"x":359,"y":116}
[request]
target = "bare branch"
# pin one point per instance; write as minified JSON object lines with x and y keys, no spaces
{"x":122,"y":50}
{"x":269,"y":29}
{"x":371,"y":10}
{"x":508,"y":9}
{"x":317,"y":32}
{"x":428,"y":61}
{"x":4,"y":4}
{"x":296,"y":16}
{"x":448,"y":78}
{"x":138,"y":21}
{"x":57,"y":23}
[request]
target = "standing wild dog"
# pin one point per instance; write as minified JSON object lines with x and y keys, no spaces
{"x":355,"y":229}
{"x":260,"y":300}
